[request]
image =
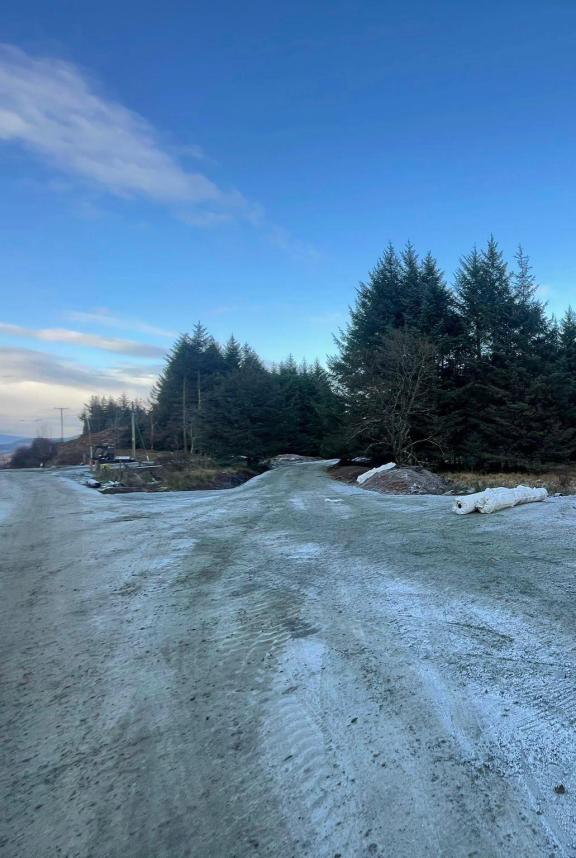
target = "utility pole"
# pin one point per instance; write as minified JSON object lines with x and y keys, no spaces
{"x":133,"y":434}
{"x":184,"y":427}
{"x":89,"y":437}
{"x":61,"y":410}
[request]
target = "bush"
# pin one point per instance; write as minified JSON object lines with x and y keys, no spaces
{"x":40,"y":452}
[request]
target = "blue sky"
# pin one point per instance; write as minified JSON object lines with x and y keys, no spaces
{"x":245,"y":164}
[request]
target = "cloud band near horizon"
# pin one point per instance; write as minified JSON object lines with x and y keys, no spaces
{"x":77,"y":338}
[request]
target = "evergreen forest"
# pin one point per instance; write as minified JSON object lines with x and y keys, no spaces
{"x":474,"y":373}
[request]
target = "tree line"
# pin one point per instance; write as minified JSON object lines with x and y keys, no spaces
{"x":477,"y":375}
{"x":114,"y":415}
{"x":474,"y":374}
{"x":224,"y":402}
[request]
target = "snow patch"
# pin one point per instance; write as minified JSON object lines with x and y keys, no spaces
{"x":492,"y":500}
{"x":373,"y":471}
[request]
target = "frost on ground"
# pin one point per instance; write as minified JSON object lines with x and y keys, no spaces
{"x":263,"y":672}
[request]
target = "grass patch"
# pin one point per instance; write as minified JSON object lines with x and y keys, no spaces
{"x":193,"y":477}
{"x":562,"y":481}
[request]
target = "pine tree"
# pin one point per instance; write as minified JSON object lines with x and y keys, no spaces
{"x":239,"y":412}
{"x":484,"y":298}
{"x":379,"y":306}
{"x":405,"y":304}
{"x":232,"y":354}
{"x":192,"y":367}
{"x":411,"y":289}
{"x":563,"y":385}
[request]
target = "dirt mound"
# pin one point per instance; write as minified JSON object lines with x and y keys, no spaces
{"x":347,"y":473}
{"x":291,"y":459}
{"x":408,"y":481}
{"x":415,"y":480}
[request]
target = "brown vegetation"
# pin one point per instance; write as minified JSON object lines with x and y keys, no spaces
{"x":176,"y":472}
{"x":561,"y":481}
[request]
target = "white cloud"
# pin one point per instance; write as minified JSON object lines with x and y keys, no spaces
{"x":33,"y":382}
{"x":52,"y":109}
{"x":18,"y":365}
{"x":103,"y":316}
{"x":94,"y":341}
{"x":55,"y":111}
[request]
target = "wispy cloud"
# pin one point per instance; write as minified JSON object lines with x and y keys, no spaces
{"x":53,"y":109}
{"x":94,"y":341}
{"x":105,"y":317}
{"x":330,"y":317}
{"x":205,"y":220}
{"x":281,"y":238}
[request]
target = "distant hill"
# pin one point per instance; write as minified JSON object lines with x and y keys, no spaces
{"x":8,"y":443}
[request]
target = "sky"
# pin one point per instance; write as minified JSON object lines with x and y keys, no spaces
{"x":244,"y":165}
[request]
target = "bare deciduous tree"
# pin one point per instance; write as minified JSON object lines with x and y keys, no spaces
{"x":398,"y":393}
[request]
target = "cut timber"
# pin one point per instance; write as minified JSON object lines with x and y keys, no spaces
{"x":369,"y":474}
{"x":492,"y":500}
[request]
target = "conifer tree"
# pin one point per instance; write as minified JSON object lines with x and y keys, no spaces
{"x":192,"y":367}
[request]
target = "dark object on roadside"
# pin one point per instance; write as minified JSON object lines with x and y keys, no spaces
{"x":560,"y":789}
{"x":103,"y":453}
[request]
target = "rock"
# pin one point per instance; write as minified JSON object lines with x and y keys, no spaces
{"x":560,"y":789}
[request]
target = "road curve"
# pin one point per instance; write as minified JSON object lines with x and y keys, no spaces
{"x":291,"y":668}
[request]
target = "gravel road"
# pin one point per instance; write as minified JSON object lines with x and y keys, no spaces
{"x":292,"y":668}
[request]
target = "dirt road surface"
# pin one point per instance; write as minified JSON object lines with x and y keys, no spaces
{"x":292,"y":668}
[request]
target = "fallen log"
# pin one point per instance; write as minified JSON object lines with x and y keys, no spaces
{"x":492,"y":500}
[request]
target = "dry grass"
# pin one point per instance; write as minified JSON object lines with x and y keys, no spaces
{"x":214,"y":477}
{"x":174,"y":471}
{"x":562,"y":481}
{"x":189,"y":478}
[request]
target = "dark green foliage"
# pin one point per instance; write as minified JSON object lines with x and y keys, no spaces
{"x":193,"y":368}
{"x":227,"y":403}
{"x":503,"y":390}
{"x":239,"y":413}
{"x":104,"y":413}
{"x":476,"y":375}
{"x":307,"y":409}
